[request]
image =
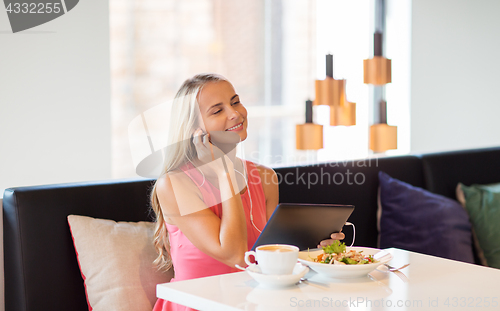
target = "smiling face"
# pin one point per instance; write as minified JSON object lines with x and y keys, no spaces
{"x":221,"y":109}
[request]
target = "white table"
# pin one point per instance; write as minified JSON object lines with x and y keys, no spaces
{"x":434,"y":284}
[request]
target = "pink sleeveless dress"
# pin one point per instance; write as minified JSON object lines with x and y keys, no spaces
{"x":188,"y":261}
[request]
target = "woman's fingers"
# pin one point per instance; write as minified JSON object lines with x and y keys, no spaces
{"x":197,"y":136}
{"x":325,"y":243}
{"x":207,"y":151}
{"x":209,"y":145}
{"x":200,"y":141}
{"x":205,"y":140}
{"x":337,"y":236}
{"x":334,"y":237}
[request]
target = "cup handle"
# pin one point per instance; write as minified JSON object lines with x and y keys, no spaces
{"x":247,"y":257}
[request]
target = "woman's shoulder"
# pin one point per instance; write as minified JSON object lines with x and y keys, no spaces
{"x":267,"y":175}
{"x":263,"y":170}
{"x":175,"y":180}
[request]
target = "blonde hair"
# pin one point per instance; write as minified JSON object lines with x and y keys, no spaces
{"x":184,"y":120}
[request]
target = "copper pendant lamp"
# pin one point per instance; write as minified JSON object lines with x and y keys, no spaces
{"x":309,"y":136}
{"x":331,"y":92}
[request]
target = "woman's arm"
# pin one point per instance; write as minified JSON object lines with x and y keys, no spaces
{"x":269,"y":181}
{"x":224,"y":239}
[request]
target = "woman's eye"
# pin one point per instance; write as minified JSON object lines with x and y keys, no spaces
{"x":235,"y":103}
{"x":216,"y":112}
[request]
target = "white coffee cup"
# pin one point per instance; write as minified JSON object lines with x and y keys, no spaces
{"x":274,"y":258}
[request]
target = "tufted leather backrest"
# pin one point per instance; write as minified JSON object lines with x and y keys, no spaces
{"x":444,"y":170}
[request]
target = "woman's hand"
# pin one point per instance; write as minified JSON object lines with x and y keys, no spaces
{"x":334,"y":237}
{"x":208,"y":153}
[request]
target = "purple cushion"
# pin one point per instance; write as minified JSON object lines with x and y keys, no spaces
{"x":417,"y":220}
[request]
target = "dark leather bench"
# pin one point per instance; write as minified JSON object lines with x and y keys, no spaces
{"x":41,"y":269}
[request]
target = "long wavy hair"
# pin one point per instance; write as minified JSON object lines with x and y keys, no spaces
{"x":184,"y":120}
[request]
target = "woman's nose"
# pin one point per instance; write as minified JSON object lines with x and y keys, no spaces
{"x":233,"y":113}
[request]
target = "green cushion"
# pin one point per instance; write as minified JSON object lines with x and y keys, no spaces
{"x":482,"y":203}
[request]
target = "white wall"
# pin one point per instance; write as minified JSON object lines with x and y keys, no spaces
{"x":55,"y":123}
{"x":454,"y":81}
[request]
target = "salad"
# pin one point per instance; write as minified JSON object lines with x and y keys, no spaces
{"x":336,"y":254}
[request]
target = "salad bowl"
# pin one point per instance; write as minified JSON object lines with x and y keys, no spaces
{"x":340,"y":271}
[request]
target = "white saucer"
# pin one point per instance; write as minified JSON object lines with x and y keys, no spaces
{"x":278,"y":281}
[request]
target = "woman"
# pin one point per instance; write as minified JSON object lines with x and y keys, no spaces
{"x":210,"y":206}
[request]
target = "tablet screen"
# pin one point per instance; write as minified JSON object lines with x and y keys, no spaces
{"x":303,"y":225}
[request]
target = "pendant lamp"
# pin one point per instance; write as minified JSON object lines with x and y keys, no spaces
{"x":309,"y":136}
{"x":331,"y":92}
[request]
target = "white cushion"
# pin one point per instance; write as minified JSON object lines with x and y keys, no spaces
{"x":116,"y":262}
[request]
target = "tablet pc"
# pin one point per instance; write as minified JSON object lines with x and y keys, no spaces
{"x":303,"y":225}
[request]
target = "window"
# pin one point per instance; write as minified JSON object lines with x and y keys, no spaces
{"x":271,"y":50}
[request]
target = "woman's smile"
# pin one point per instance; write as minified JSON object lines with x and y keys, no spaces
{"x":238,"y":127}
